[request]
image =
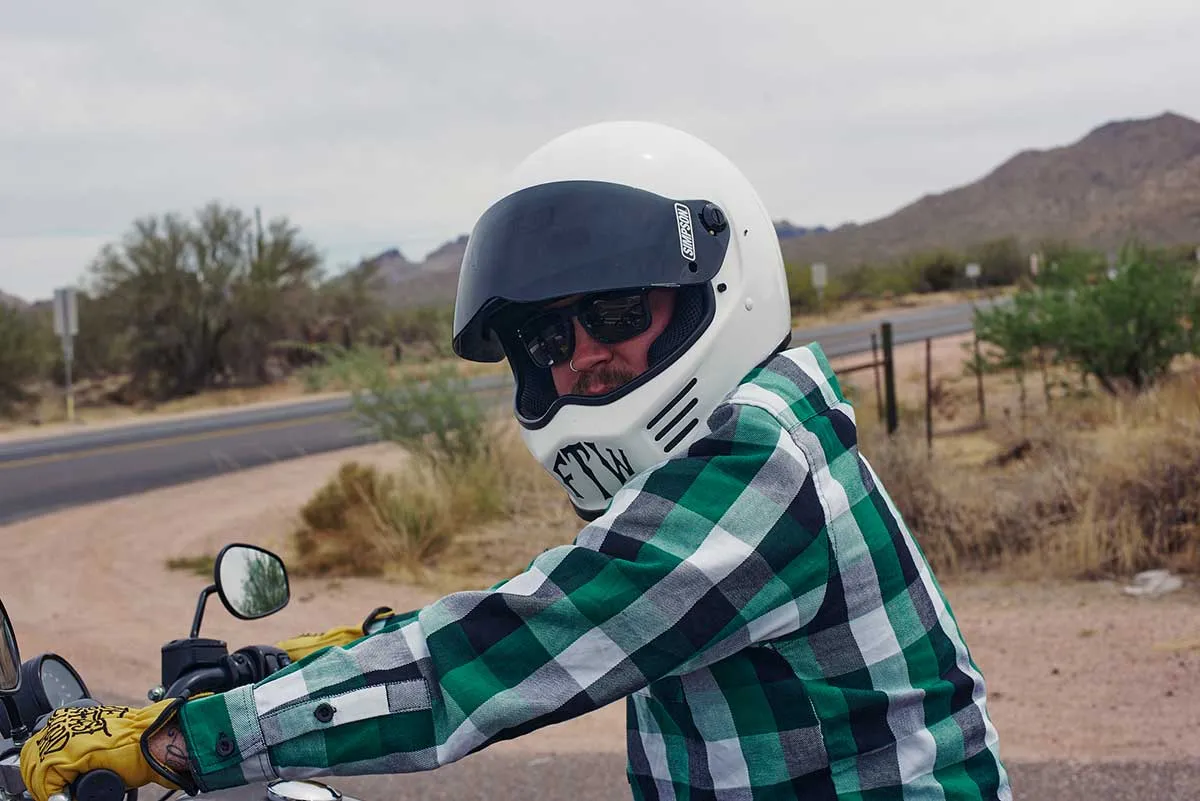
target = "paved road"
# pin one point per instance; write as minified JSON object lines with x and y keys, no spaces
{"x":601,"y":777}
{"x":38,"y":476}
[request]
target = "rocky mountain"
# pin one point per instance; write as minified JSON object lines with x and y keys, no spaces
{"x":1127,"y":178}
{"x":410,"y":283}
{"x":785,"y":230}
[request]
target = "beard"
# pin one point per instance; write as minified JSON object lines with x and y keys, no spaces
{"x":608,"y":377}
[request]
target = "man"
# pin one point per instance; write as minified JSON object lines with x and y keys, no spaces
{"x":746,"y":583}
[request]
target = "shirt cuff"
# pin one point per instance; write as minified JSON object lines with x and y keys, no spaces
{"x":225,"y":740}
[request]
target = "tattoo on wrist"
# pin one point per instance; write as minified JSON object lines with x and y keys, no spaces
{"x":173,"y":752}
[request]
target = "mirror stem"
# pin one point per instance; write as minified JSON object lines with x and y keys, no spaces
{"x":19,"y":733}
{"x":209,"y":590}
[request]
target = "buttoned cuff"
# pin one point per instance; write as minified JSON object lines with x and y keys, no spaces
{"x":225,"y":740}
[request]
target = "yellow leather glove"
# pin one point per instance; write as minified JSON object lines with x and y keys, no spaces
{"x":301,"y":646}
{"x":75,"y":740}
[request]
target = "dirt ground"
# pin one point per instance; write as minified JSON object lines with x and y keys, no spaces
{"x":1075,"y":670}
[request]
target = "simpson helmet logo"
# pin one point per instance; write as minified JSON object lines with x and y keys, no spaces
{"x":687,"y":243}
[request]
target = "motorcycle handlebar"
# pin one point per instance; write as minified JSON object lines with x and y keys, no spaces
{"x":210,"y":679}
{"x":97,"y":785}
{"x":245,"y":666}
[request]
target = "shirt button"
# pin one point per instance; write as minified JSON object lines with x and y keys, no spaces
{"x":224,"y":745}
{"x":323,"y":712}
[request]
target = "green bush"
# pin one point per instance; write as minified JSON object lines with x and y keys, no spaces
{"x":1065,"y":266}
{"x":1125,"y":330}
{"x":432,"y":326}
{"x":800,"y":288}
{"x":1001,"y":261}
{"x":25,"y":352}
{"x":939,"y":270}
{"x":437,"y":418}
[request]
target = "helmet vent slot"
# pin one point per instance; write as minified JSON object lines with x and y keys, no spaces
{"x":678,"y":410}
{"x":683,"y":432}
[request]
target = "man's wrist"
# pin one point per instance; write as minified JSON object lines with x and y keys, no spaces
{"x":169,"y":749}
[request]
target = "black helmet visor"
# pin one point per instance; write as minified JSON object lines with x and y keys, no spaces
{"x":564,"y":238}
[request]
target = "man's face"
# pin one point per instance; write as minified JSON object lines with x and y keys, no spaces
{"x":601,"y":368}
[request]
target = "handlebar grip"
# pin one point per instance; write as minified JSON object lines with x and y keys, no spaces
{"x":98,"y":785}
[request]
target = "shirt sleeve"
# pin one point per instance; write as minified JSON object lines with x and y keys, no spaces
{"x":694,"y":560}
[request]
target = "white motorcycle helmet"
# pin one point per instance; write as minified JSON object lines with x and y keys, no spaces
{"x":615,"y":206}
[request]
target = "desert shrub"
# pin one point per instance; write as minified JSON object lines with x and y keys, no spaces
{"x":801,"y":291}
{"x":431,"y":326}
{"x":1001,"y":261}
{"x":433,"y":413}
{"x":1126,"y":328}
{"x":1099,"y":486}
{"x":463,"y":469}
{"x":939,"y":270}
{"x":25,"y":351}
{"x":366,"y":521}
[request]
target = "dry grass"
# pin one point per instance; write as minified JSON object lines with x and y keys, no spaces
{"x":416,"y":523}
{"x":199,"y":565}
{"x":1093,"y":487}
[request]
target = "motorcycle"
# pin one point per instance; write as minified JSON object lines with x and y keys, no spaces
{"x":250,"y":581}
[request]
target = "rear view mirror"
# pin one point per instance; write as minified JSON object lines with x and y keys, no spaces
{"x":251,"y":581}
{"x":10,"y":656}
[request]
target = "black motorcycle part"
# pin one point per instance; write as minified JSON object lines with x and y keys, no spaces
{"x":187,"y":655}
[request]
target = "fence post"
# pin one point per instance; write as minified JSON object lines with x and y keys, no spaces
{"x":929,"y":395}
{"x":889,"y":379}
{"x":875,"y":372}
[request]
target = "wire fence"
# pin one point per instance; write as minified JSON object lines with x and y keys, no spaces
{"x":883,"y":360}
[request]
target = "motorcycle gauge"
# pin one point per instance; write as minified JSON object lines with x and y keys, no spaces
{"x":47,"y":682}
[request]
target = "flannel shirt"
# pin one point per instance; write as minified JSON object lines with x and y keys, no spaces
{"x":758,"y":601}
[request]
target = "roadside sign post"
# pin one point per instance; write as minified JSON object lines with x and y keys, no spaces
{"x":66,"y":326}
{"x":820,"y":277}
{"x":973,"y":271}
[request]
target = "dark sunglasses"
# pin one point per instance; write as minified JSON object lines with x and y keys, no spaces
{"x":609,"y":317}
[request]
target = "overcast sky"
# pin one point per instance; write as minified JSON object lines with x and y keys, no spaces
{"x":372,"y":125}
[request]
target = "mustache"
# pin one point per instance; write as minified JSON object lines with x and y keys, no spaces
{"x":601,"y":376}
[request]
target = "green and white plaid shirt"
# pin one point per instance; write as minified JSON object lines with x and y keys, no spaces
{"x":758,"y":601}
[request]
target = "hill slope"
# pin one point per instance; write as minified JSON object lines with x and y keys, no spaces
{"x":1132,"y":177}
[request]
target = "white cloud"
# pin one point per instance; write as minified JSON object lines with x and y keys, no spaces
{"x":390,"y":124}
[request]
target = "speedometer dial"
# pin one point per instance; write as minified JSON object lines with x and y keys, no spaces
{"x":47,"y":682}
{"x":60,"y":683}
